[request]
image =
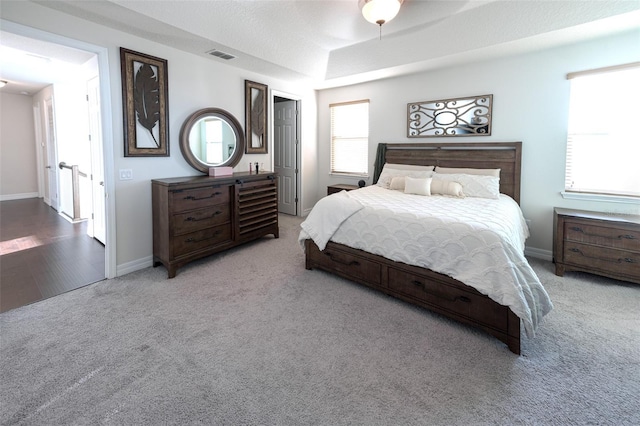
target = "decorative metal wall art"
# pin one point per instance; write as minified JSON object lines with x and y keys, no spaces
{"x":469,"y":116}
{"x":255,"y":100}
{"x":145,"y":104}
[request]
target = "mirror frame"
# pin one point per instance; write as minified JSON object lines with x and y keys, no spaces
{"x":194,"y":161}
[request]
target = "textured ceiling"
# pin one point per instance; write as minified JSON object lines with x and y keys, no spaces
{"x":330,"y":43}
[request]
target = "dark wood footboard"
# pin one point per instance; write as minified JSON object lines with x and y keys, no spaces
{"x":419,"y":286}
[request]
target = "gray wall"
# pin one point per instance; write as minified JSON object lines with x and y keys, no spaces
{"x":18,"y":178}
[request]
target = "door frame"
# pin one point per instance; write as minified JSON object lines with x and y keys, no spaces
{"x":37,"y":120}
{"x":97,"y":163}
{"x":102,"y":54}
{"x":51,"y":153}
{"x":298,"y":101}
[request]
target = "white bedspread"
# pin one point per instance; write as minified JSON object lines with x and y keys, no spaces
{"x":327,"y":215}
{"x":477,"y":241}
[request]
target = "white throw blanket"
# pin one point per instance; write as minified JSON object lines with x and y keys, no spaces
{"x":327,"y":216}
{"x":477,"y":241}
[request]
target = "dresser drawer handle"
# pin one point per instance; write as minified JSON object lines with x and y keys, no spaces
{"x":619,"y":237}
{"x":618,"y":260}
{"x":193,"y":240}
{"x":194,"y":219}
{"x":192,"y":198}
{"x":333,"y":259}
{"x":424,"y":288}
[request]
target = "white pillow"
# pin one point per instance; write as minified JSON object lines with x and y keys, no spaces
{"x":474,"y":185}
{"x":467,"y":171}
{"x":389,"y":171}
{"x":446,"y":187}
{"x":419,"y":186}
{"x":397,"y":183}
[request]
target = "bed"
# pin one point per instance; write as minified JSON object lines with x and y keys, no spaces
{"x":497,"y":299}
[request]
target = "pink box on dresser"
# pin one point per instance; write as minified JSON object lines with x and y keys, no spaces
{"x":220,"y":171}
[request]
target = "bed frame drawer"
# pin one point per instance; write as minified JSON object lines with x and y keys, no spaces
{"x":346,"y":263}
{"x":458,"y":300}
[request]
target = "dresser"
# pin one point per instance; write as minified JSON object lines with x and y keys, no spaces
{"x":197,"y":216}
{"x":597,"y":243}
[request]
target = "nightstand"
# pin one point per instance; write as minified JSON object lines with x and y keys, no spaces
{"x":332,"y":189}
{"x":597,"y":243}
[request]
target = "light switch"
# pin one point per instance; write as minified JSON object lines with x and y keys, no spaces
{"x":126,"y":174}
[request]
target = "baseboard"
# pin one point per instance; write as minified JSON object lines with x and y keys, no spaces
{"x":538,"y":253}
{"x":134,"y":265}
{"x":24,"y":196}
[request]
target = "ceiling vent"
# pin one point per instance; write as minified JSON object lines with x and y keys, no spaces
{"x":221,"y":54}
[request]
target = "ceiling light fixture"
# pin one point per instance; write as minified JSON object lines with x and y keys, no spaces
{"x":379,"y":11}
{"x":3,"y":83}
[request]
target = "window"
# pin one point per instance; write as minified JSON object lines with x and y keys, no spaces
{"x":350,"y":138}
{"x":603,"y":144}
{"x":213,"y":138}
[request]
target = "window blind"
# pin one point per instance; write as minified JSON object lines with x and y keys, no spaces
{"x":350,"y":137}
{"x":603,"y":139}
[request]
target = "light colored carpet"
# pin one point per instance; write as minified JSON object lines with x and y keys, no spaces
{"x":251,"y":337}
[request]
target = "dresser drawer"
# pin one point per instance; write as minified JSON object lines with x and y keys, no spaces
{"x":202,"y":218}
{"x":472,"y":305}
{"x":346,"y":263}
{"x":602,"y":258}
{"x":206,"y":238}
{"x":626,"y":239}
{"x":189,"y":199}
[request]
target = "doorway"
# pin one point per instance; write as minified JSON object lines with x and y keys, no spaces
{"x":99,"y":228}
{"x":286,"y":141}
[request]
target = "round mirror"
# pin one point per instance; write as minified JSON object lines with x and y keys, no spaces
{"x":211,"y":137}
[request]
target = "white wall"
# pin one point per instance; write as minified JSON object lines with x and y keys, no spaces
{"x":194,"y":82}
{"x":18,"y":178}
{"x":530,"y":96}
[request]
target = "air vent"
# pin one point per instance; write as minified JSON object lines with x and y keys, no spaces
{"x":221,"y":54}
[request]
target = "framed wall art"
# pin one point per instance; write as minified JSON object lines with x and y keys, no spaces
{"x":255,"y":98}
{"x":469,"y":116}
{"x":145,"y":104}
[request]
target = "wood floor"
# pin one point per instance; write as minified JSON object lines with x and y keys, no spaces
{"x":42,"y":254}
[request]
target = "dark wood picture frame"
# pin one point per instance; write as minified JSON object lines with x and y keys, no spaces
{"x":255,"y":101}
{"x":144,"y":104}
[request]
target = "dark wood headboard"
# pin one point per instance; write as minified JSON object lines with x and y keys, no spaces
{"x":506,"y":156}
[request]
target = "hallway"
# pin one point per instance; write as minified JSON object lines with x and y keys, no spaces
{"x":42,"y":254}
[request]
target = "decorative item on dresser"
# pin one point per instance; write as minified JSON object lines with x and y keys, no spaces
{"x":598,"y":243}
{"x":332,"y":189}
{"x":197,"y":216}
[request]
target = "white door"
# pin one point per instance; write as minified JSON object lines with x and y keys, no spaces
{"x":285,"y":135}
{"x":97,"y":168}
{"x":51,"y":154}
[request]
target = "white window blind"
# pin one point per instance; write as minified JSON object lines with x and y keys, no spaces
{"x":350,"y":138}
{"x":603,"y":144}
